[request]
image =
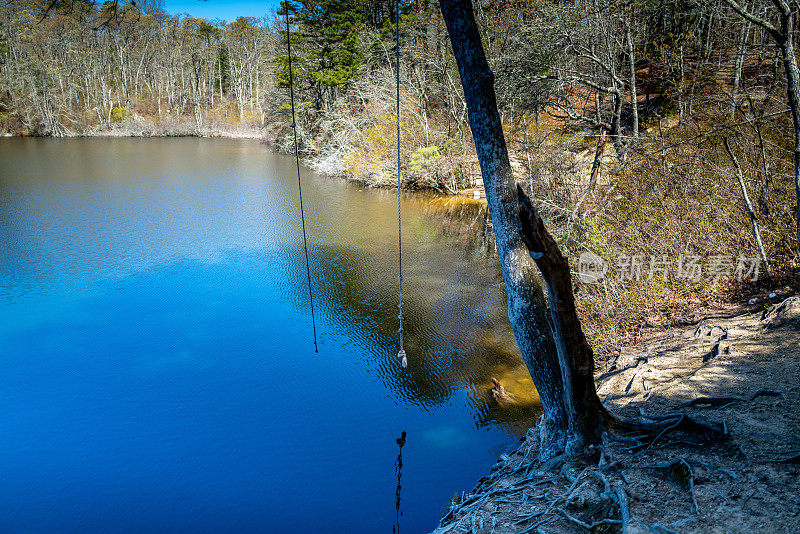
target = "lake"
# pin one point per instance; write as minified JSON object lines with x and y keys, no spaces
{"x":157,"y":365}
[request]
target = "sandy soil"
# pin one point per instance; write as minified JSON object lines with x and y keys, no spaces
{"x":738,"y":371}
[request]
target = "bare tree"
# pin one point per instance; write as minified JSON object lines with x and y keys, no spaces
{"x":554,"y":349}
{"x":748,"y":205}
{"x":782,"y":33}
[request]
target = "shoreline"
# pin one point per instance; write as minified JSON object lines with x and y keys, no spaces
{"x":222,"y":134}
{"x":256,"y":134}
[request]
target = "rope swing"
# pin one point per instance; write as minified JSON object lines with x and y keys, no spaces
{"x":401,"y":353}
{"x":299,"y":186}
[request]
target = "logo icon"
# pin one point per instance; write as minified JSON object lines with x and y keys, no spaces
{"x":591,"y":268}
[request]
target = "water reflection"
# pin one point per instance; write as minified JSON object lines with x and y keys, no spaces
{"x":158,"y":364}
{"x":457,"y":332}
{"x":112,"y":213}
{"x":469,"y":222}
{"x":398,"y":466}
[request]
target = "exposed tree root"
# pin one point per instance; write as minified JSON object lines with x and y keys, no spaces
{"x":624,"y":511}
{"x":676,"y":472}
{"x":726,"y":401}
{"x":642,"y":434}
{"x":794,"y":459}
{"x":551,"y":504}
{"x":547,"y":492}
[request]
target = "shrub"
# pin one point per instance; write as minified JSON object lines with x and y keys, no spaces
{"x":120,"y":114}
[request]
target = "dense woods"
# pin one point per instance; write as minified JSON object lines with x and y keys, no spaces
{"x":651,"y":133}
{"x":81,"y":65}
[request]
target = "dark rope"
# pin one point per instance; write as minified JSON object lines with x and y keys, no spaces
{"x":401,"y":353}
{"x":299,"y":186}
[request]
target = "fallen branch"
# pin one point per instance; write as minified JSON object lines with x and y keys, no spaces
{"x":615,"y":372}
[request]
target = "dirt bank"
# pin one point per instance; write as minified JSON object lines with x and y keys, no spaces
{"x":738,"y":368}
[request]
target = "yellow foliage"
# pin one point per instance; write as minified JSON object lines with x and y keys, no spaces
{"x":120,"y":114}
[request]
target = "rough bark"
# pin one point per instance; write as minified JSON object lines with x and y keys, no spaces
{"x":571,"y":416}
{"x":576,"y":359}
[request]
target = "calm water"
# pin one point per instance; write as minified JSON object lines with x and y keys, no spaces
{"x":157,"y":370}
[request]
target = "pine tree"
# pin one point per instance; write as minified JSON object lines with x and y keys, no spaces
{"x":326,"y":52}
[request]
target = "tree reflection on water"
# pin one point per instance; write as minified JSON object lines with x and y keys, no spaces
{"x":457,"y":331}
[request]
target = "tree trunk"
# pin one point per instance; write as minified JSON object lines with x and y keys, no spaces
{"x":749,"y":206}
{"x":793,"y":94}
{"x":632,"y":66}
{"x":596,"y":164}
{"x":221,"y":96}
{"x":527,"y":152}
{"x":764,"y":166}
{"x":576,"y":359}
{"x":558,"y":366}
{"x":616,"y":127}
{"x":783,"y":35}
{"x":737,"y":72}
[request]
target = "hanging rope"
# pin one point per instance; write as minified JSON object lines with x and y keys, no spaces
{"x":402,"y":353}
{"x":299,"y":186}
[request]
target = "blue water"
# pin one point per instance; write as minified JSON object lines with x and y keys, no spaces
{"x":157,"y":370}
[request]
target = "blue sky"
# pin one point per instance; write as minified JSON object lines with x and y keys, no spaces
{"x":222,"y":9}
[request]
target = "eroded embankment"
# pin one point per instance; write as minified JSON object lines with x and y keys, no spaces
{"x":739,"y":369}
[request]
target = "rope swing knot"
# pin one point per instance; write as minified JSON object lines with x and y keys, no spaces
{"x":402,"y":354}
